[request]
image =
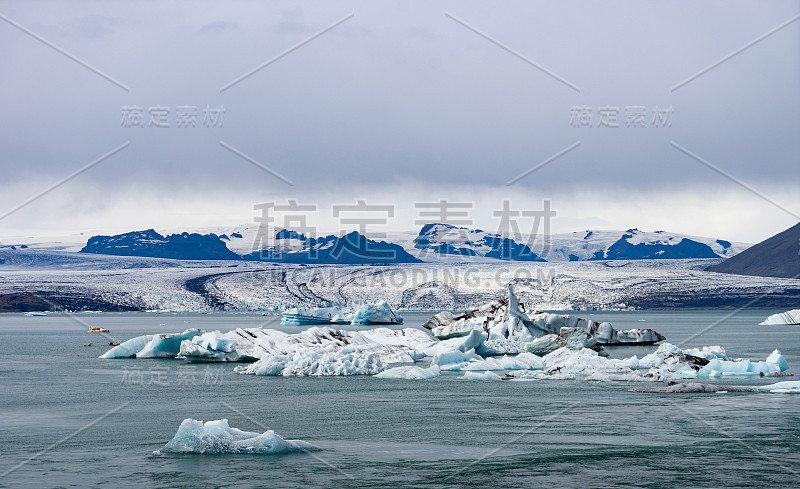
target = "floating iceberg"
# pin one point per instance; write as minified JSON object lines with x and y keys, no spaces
{"x":218,"y":438}
{"x":791,"y":387}
{"x":410,"y":372}
{"x":469,"y":361}
{"x":303,"y":316}
{"x":788,"y":317}
{"x":151,"y":346}
{"x":583,"y":364}
{"x":380,"y":313}
{"x":481,"y":376}
{"x":788,"y":387}
{"x":366,"y":314}
{"x":573,"y":338}
{"x":670,"y":362}
{"x":316,"y":362}
{"x":509,"y":328}
{"x":239,"y":345}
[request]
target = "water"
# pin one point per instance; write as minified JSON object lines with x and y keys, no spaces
{"x":376,"y":433}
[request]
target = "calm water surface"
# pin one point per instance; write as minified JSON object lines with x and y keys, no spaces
{"x":56,"y":396}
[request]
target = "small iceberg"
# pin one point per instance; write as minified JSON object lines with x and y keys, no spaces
{"x":410,"y":372}
{"x":488,"y":375}
{"x":366,"y":314}
{"x":788,"y":317}
{"x":304,"y":316}
{"x":152,"y":345}
{"x":218,"y":438}
{"x":380,"y":313}
{"x":791,"y":387}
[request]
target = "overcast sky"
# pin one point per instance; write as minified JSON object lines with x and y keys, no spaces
{"x":403,"y":102}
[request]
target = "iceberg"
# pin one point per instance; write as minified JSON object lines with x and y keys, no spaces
{"x":481,"y":376}
{"x":573,"y":338}
{"x":380,"y":313}
{"x":250,"y":345}
{"x":410,"y":372}
{"x":671,"y":362}
{"x":303,"y":316}
{"x":218,"y":438}
{"x":790,"y":387}
{"x":510,"y":328}
{"x":788,"y":317}
{"x":152,"y":345}
{"x":458,"y":344}
{"x":316,"y":362}
{"x":366,"y":314}
{"x":469,"y":361}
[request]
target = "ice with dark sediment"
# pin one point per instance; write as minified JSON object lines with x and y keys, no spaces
{"x":510,"y":328}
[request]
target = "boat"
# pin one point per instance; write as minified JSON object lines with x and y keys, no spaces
{"x":98,"y":330}
{"x":112,"y":343}
{"x":32,"y":314}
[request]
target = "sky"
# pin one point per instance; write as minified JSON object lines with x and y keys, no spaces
{"x":678,"y":116}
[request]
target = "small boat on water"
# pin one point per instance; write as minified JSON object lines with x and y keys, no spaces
{"x":32,"y":314}
{"x":98,"y":330}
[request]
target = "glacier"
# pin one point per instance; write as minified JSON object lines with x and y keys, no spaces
{"x":219,"y":438}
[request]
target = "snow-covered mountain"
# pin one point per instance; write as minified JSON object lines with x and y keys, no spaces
{"x":438,"y":242}
{"x":634,"y":244}
{"x":445,"y":239}
{"x":184,"y":246}
{"x":351,"y":249}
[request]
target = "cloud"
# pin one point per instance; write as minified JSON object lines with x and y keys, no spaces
{"x":403,"y":95}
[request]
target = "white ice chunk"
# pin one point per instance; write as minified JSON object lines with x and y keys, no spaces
{"x":488,"y":375}
{"x":380,"y":313}
{"x":788,"y":387}
{"x":410,"y":372}
{"x":316,"y":362}
{"x":462,"y":343}
{"x":217,"y":437}
{"x":151,"y":345}
{"x":788,"y":317}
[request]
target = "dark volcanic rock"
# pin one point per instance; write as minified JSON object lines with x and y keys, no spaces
{"x":778,"y":256}
{"x":149,"y":243}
